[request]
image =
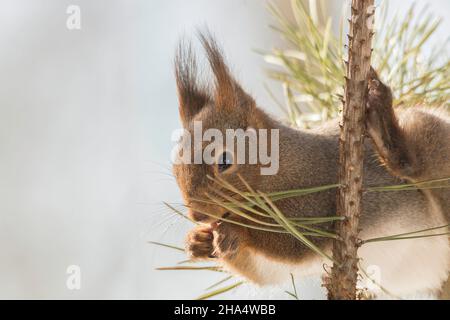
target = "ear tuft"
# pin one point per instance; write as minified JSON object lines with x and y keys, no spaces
{"x":191,"y":97}
{"x":228,"y":92}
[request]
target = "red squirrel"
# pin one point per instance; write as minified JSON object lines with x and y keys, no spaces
{"x":408,"y":144}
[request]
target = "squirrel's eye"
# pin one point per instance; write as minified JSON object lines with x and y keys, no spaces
{"x":224,"y":161}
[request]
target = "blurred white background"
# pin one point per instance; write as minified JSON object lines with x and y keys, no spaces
{"x":86,"y":118}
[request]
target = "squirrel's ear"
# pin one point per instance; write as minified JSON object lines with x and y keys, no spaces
{"x":228,"y":93}
{"x":191,"y":97}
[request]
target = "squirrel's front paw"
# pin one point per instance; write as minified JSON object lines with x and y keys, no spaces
{"x":227,"y":238}
{"x":199,"y":243}
{"x":380,"y":115}
{"x":221,"y":241}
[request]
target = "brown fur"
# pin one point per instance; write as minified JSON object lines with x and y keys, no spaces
{"x":410,"y":145}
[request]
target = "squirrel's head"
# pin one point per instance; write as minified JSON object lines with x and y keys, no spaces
{"x":209,"y":113}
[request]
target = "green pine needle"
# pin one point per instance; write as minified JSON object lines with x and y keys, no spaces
{"x":312,"y":70}
{"x":167,"y":246}
{"x":220,"y":291}
{"x":293,"y":294}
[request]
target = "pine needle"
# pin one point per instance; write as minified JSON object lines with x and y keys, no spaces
{"x":219,"y":291}
{"x":293,"y":294}
{"x":210,"y":268}
{"x":311,"y":71}
{"x":167,"y":246}
{"x":220,"y":282}
{"x":409,"y":235}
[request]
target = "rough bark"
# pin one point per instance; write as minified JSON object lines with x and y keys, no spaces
{"x":342,"y":283}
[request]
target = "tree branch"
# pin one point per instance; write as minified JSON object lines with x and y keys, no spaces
{"x":342,"y":283}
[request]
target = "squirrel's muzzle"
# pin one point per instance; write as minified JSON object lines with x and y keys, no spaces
{"x":197,"y":216}
{"x":200,"y":217}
